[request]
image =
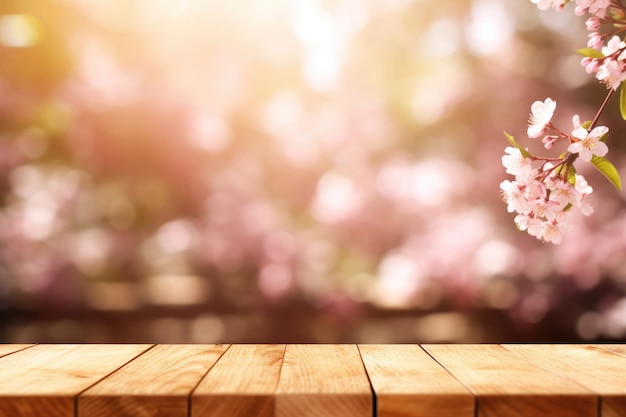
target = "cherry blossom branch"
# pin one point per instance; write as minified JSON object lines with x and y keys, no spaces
{"x":545,"y":189}
{"x":602,"y":107}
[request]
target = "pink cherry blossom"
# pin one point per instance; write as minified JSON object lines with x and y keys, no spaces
{"x":515,"y":163}
{"x":541,"y":115}
{"x":594,"y":7}
{"x":563,"y":194}
{"x":546,"y":209}
{"x":514,"y":197}
{"x":564,"y":221}
{"x":589,"y":143}
{"x":582,"y":186}
{"x":526,"y":222}
{"x":582,"y":198}
{"x":534,"y":227}
{"x":611,"y":73}
{"x":535,"y":191}
{"x":612,"y":70}
{"x":613,"y":45}
{"x":550,"y":232}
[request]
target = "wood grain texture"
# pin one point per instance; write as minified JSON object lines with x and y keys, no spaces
{"x":241,"y":384}
{"x":156,"y":384}
{"x":323,"y":381}
{"x":593,"y":366}
{"x":617,"y":349}
{"x":509,"y":386}
{"x":44,"y":380}
{"x":312,"y":380}
{"x":8,"y":349}
{"x":409,"y":383}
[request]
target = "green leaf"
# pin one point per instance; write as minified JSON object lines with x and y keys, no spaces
{"x":608,"y":170}
{"x":571,"y":175}
{"x":622,"y":101}
{"x":590,"y":53}
{"x":604,"y":137}
{"x":513,"y":142}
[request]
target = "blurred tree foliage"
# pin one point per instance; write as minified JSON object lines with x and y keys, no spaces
{"x":337,"y":156}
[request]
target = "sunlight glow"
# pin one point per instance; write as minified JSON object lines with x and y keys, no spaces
{"x":209,"y":133}
{"x":489,"y":29}
{"x":324,"y":47}
{"x":176,"y":289}
{"x":337,"y":197}
{"x":19,"y":30}
{"x":176,"y":236}
{"x":496,"y":257}
{"x":399,"y":278}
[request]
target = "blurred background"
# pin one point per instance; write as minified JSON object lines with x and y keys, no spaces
{"x":292,"y":171}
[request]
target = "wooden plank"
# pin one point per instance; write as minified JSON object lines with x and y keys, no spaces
{"x":509,"y":386}
{"x":241,"y":384}
{"x":613,"y":406}
{"x":409,"y":383}
{"x":157,"y":384}
{"x":44,"y":380}
{"x":323,"y":381}
{"x":8,"y":349}
{"x":593,"y":366}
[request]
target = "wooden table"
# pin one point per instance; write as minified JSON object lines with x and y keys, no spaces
{"x":312,"y":380}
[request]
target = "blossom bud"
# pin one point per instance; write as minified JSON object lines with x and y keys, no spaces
{"x":593,"y":23}
{"x":591,"y":64}
{"x":595,"y":41}
{"x":585,"y":62}
{"x":549,"y":140}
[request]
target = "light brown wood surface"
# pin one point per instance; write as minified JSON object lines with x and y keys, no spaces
{"x":409,"y":383}
{"x":323,"y":381}
{"x":618,"y":349}
{"x":596,"y":368}
{"x":509,"y":386}
{"x":313,"y":380}
{"x":156,"y":384}
{"x":7,"y":349}
{"x":44,"y":380}
{"x":241,"y":384}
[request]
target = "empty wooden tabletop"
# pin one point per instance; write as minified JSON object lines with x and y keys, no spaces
{"x":312,"y":380}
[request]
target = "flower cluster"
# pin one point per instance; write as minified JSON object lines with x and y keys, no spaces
{"x":605,"y":55}
{"x":546,"y":189}
{"x":607,"y":62}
